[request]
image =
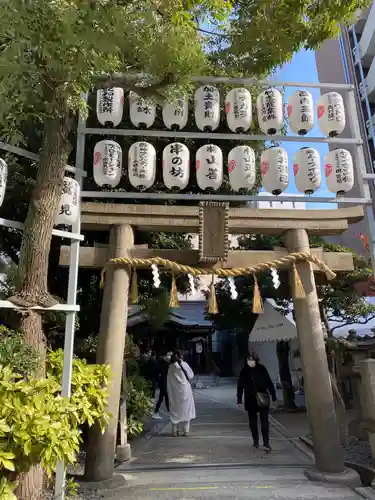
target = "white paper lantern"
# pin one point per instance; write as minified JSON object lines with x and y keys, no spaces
{"x":142,"y":165}
{"x":110,"y":105}
{"x":142,"y":112}
{"x":69,"y":202}
{"x":301,"y":112}
{"x":306,"y":168}
{"x":207,"y":108}
{"x":274,"y":170}
{"x":270,"y":111}
{"x":209,"y":165}
{"x":175,"y":114}
{"x":331,"y":114}
{"x":3,"y":179}
{"x":238,"y":110}
{"x":241,"y":168}
{"x":176,"y":166}
{"x":338,"y":166}
{"x":107,"y":163}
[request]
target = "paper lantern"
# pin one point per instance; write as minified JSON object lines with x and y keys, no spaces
{"x":270,"y":111}
{"x":238,"y":110}
{"x":142,"y":112}
{"x":306,"y":168}
{"x":107,"y":163}
{"x":274,"y":170}
{"x":175,"y":114}
{"x":3,"y":179}
{"x":338,"y":166}
{"x":241,"y":168}
{"x":301,"y":112}
{"x":209,"y":165}
{"x":176,"y":166}
{"x":142,"y":165}
{"x":331,"y":114}
{"x":207,"y":108}
{"x":69,"y":202}
{"x":110,"y":106}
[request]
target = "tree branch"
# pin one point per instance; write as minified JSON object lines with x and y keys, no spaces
{"x":359,"y":322}
{"x":213,"y":33}
{"x":132,"y":83}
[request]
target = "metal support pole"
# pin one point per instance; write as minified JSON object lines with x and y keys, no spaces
{"x":360,"y":166}
{"x":71,"y":299}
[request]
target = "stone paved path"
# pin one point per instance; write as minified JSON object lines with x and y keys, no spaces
{"x":217,"y":461}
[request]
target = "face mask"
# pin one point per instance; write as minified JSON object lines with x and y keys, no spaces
{"x":251,"y":363}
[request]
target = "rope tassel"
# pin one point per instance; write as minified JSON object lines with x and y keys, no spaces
{"x":173,"y":300}
{"x":212,"y":302}
{"x":134,"y":288}
{"x":257,"y":298}
{"x":298,"y":286}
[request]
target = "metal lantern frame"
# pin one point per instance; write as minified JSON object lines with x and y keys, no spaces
{"x":363,"y":177}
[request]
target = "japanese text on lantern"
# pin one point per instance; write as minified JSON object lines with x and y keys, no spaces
{"x":312,"y":167}
{"x":248,"y":173}
{"x":210,"y":101}
{"x":143,"y":106}
{"x":306,"y":114}
{"x":212,"y":162}
{"x":65,"y":209}
{"x":282,"y":168}
{"x":179,"y":108}
{"x":106,"y":101}
{"x":110,"y":160}
{"x":177,"y":161}
{"x":335,"y":110}
{"x":143,"y":161}
{"x":269,"y":106}
{"x":240,"y":105}
{"x":342,"y":169}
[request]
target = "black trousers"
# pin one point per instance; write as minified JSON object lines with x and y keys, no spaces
{"x":154,"y":385}
{"x":252,"y":412}
{"x":163,"y":396}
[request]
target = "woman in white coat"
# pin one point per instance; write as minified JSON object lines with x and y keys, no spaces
{"x":181,"y":400}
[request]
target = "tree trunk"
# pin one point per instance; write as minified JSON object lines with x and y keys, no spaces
{"x":339,"y":402}
{"x":283,"y":350}
{"x":31,"y":286}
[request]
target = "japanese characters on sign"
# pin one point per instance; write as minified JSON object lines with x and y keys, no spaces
{"x":301,"y":112}
{"x":69,"y":202}
{"x":142,"y":112}
{"x":209,"y":167}
{"x":339,"y":171}
{"x":142,"y":165}
{"x":3,"y":179}
{"x":241,"y":168}
{"x":306,"y":168}
{"x":270,"y":111}
{"x":207,"y":108}
{"x":107,"y":163}
{"x":238,"y":110}
{"x":176,"y":166}
{"x":331,"y":114}
{"x":274,"y":170}
{"x":175,"y":114}
{"x":110,"y":106}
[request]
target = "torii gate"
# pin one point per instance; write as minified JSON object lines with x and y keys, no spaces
{"x":294,"y":225}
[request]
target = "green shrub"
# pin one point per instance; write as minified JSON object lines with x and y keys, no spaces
{"x":14,"y":353}
{"x":138,"y":403}
{"x":37,"y":425}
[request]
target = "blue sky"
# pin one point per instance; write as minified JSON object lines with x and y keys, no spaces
{"x":302,"y":68}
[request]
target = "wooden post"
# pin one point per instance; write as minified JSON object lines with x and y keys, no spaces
{"x":101,"y":447}
{"x":329,"y":457}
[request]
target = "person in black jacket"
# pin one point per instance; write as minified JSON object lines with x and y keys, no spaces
{"x":162,"y":373}
{"x":254,"y":378}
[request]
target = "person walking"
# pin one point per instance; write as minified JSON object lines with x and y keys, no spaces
{"x":255,"y":381}
{"x":163,"y":366}
{"x":181,"y":400}
{"x":151,"y":372}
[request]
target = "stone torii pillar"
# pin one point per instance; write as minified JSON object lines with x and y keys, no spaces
{"x":329,"y":457}
{"x":101,"y":448}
